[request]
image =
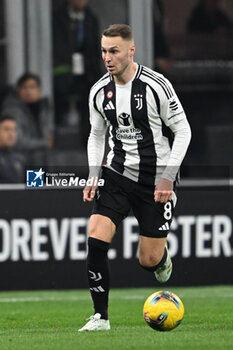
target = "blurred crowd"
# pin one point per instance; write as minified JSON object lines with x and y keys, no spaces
{"x":30,"y":124}
{"x":208,"y":18}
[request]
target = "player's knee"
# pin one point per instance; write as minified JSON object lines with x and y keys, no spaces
{"x":101,"y":228}
{"x":95,"y":229}
{"x":98,"y":233}
{"x":149,"y":260}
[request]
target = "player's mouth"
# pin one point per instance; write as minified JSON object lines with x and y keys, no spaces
{"x":110,"y":68}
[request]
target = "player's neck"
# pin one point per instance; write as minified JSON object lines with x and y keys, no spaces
{"x":127,"y":75}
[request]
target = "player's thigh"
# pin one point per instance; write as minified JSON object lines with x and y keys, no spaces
{"x":154,"y":218}
{"x":101,"y":227}
{"x":111,"y":202}
{"x":151,"y":250}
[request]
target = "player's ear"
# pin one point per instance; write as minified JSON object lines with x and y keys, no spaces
{"x":132,"y":50}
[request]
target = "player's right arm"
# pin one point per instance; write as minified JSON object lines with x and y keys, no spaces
{"x":95,"y":146}
{"x":95,"y":151}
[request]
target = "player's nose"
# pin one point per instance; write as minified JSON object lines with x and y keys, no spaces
{"x":107,"y":58}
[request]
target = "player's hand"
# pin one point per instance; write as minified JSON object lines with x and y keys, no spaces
{"x":163,"y":191}
{"x":89,"y":193}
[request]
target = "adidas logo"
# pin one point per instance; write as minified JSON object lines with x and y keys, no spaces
{"x":109,"y":106}
{"x":173,"y":105}
{"x":98,"y":289}
{"x":164,"y":227}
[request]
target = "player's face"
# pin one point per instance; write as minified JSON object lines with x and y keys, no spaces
{"x":117,"y":54}
{"x":29,"y":91}
{"x":7,"y":133}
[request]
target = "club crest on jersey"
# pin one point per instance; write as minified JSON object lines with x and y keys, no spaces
{"x":124,"y":119}
{"x":109,"y":94}
{"x":138,"y":99}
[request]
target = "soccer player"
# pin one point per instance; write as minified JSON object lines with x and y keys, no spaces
{"x":142,"y":111}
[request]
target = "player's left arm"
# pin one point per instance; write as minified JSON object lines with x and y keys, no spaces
{"x":174,"y":117}
{"x":182,"y":137}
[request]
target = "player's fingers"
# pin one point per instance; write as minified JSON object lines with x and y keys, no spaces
{"x":157,"y":196}
{"x":87,"y":199}
{"x":170,"y":195}
{"x":163,"y":196}
{"x":92,"y":193}
{"x":167,"y":196}
{"x":164,"y":199}
{"x":89,"y":193}
{"x":86,"y":194}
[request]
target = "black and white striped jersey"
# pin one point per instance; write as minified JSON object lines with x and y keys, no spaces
{"x":139,"y":115}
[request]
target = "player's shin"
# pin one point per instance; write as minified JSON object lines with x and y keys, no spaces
{"x":98,"y":275}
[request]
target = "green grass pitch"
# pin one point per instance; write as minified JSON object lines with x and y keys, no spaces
{"x":49,"y":320}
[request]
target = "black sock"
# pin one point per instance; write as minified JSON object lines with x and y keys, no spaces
{"x":161,"y":263}
{"x":98,"y":275}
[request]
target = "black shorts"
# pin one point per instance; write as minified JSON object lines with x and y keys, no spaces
{"x":120,"y":194}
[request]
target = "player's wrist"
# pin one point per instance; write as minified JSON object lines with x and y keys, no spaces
{"x":169,"y":175}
